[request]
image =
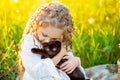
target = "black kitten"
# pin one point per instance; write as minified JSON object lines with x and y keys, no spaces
{"x":50,"y":50}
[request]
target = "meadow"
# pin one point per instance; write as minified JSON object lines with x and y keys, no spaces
{"x":96,"y":39}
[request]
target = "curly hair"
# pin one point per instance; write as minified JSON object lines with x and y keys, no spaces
{"x":54,"y":14}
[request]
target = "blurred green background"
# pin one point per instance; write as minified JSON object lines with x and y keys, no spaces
{"x":96,"y":40}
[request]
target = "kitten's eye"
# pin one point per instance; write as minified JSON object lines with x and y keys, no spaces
{"x":47,"y":49}
{"x":54,"y":49}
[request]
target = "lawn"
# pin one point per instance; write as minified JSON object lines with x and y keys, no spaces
{"x":96,"y":39}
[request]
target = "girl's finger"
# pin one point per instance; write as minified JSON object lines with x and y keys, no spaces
{"x":65,"y":67}
{"x":64,"y":64}
{"x":71,"y":71}
{"x":68,"y":69}
{"x":66,"y":57}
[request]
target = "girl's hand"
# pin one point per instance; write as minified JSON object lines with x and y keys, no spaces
{"x":69,"y":65}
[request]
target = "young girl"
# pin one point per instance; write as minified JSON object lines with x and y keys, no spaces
{"x":50,"y":22}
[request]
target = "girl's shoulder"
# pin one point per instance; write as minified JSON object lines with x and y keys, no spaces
{"x":28,"y":36}
{"x":29,"y":39}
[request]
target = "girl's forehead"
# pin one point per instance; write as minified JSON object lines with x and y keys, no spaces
{"x":52,"y":32}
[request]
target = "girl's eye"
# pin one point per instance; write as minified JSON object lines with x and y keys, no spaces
{"x":44,"y":35}
{"x":56,"y":39}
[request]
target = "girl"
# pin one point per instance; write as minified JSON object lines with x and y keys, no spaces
{"x":50,"y":22}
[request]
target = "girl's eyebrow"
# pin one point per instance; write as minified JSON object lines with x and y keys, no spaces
{"x":55,"y":38}
{"x":45,"y":35}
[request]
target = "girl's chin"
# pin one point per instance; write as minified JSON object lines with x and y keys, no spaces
{"x":43,"y":42}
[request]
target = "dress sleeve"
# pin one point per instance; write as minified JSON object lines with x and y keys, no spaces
{"x":36,"y":67}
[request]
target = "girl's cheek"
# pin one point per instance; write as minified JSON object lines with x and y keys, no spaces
{"x":61,"y":39}
{"x":40,"y":37}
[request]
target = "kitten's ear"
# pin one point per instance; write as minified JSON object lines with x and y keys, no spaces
{"x":58,"y":43}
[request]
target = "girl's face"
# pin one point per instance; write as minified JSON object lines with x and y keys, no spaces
{"x":46,"y":34}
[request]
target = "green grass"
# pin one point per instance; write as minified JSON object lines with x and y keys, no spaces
{"x":96,"y":40}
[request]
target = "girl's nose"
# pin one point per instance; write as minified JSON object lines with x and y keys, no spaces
{"x":47,"y":39}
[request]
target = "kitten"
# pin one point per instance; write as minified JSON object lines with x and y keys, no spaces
{"x":50,"y":50}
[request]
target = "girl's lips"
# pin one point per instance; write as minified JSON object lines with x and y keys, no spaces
{"x":42,"y":42}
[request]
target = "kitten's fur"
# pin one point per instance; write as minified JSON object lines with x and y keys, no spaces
{"x":50,"y":50}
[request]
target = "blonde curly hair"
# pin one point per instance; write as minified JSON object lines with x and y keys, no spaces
{"x":54,"y":14}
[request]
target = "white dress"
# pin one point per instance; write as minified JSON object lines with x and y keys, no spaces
{"x":37,"y":68}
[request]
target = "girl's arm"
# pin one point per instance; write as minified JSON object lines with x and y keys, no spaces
{"x":59,"y":56}
{"x":36,"y":67}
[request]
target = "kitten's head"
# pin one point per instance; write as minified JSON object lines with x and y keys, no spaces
{"x":49,"y":49}
{"x":52,"y":48}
